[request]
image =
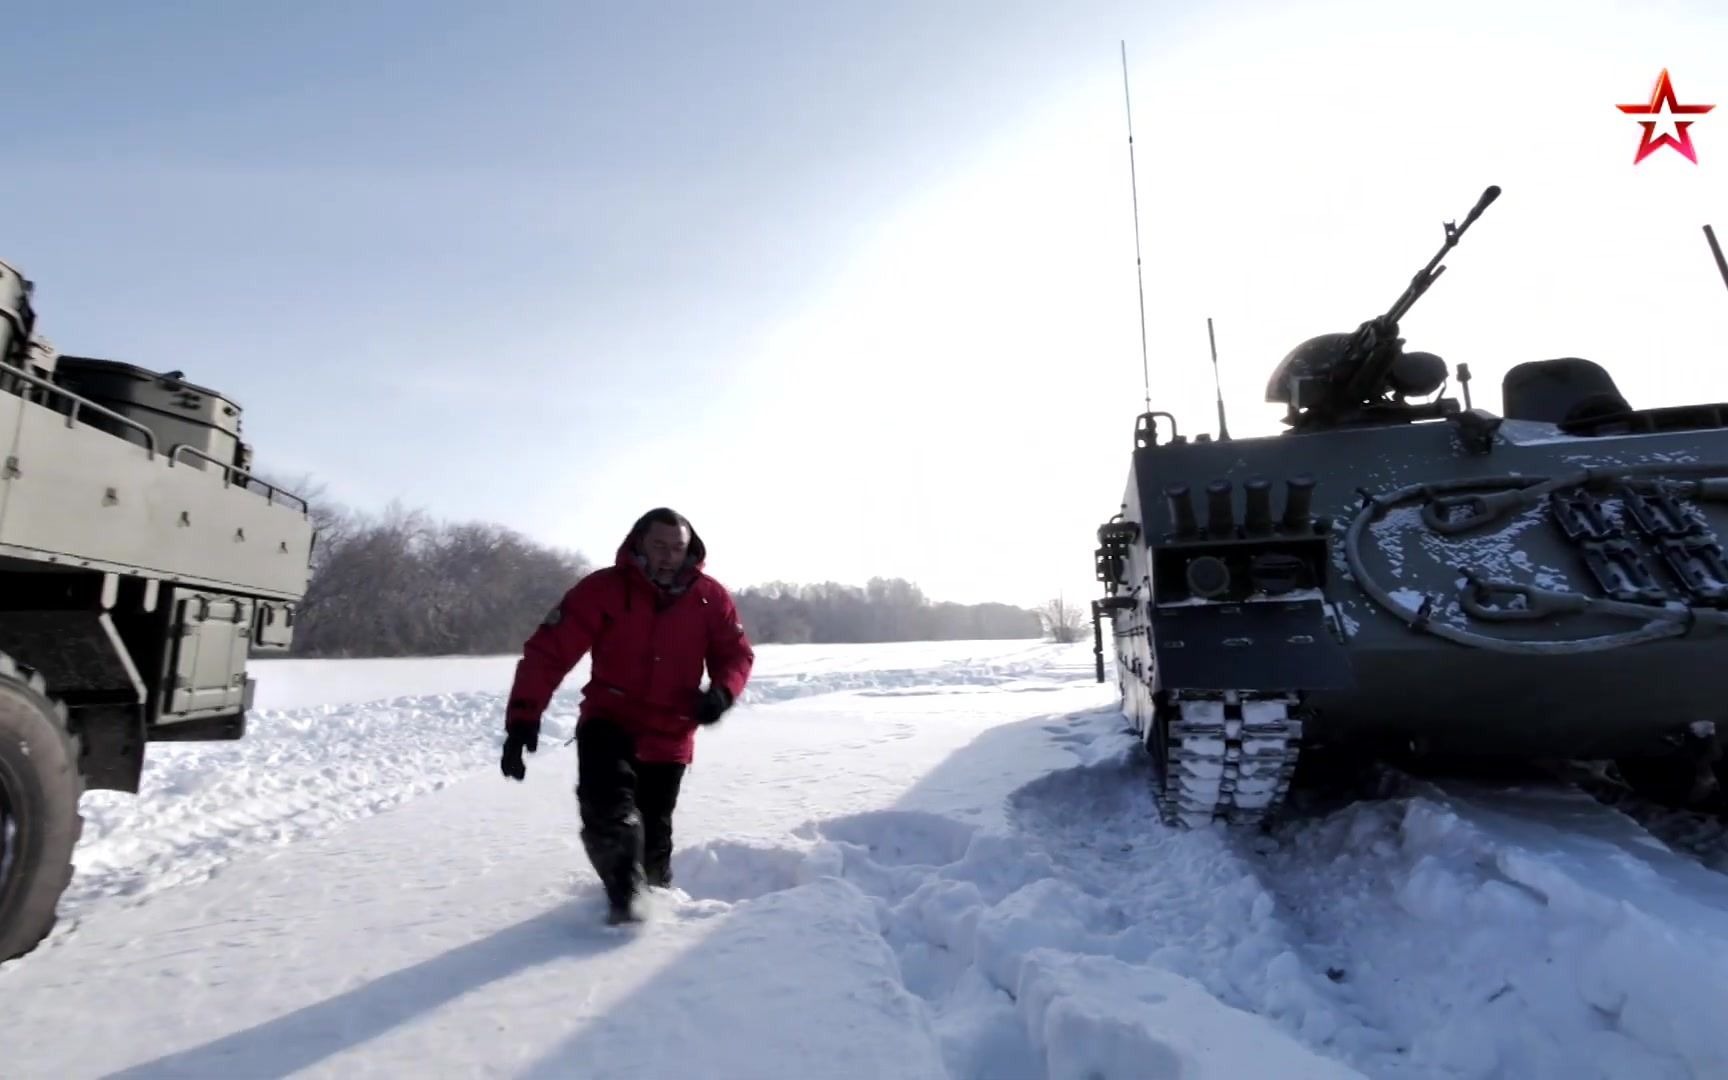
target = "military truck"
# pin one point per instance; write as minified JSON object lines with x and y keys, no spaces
{"x":141,"y":564}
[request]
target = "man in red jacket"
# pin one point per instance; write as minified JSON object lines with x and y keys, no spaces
{"x":652,"y":621}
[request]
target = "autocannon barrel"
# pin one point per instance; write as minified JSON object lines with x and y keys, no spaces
{"x":1257,"y":515}
{"x":1220,"y":515}
{"x":1298,"y":498}
{"x":1181,"y":509}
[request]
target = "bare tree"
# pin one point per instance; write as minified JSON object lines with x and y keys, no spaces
{"x":402,"y":584}
{"x":399,"y":583}
{"x":885,"y":609}
{"x":1064,"y":622}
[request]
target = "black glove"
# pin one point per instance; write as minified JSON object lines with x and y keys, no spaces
{"x":712,"y":704}
{"x":514,"y":743}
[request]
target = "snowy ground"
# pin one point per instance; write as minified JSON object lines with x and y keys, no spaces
{"x":934,"y":860}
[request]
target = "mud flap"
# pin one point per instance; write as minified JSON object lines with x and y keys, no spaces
{"x":1266,"y":645}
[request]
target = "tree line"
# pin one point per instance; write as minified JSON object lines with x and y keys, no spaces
{"x":887,"y":609}
{"x":400,"y":583}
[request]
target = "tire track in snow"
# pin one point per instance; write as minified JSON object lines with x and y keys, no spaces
{"x":1429,"y":934}
{"x":302,"y":773}
{"x":774,"y":689}
{"x":1049,"y":951}
{"x":1192,"y":903}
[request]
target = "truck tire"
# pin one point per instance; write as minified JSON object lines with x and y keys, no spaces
{"x":39,"y":821}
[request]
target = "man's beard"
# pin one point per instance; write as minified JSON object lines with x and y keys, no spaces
{"x":668,"y":580}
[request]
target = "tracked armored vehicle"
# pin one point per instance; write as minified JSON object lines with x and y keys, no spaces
{"x":140,"y":564}
{"x":1422,"y":577}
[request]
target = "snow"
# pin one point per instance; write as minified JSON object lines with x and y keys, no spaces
{"x":1498,"y":554}
{"x":1506,"y":933}
{"x":1534,"y":433}
{"x":392,"y":730}
{"x":924,"y":861}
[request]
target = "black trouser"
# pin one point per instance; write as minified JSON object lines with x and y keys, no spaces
{"x":626,"y":808}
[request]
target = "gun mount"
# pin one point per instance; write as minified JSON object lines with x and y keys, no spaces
{"x":1364,"y":377}
{"x":1546,"y":585}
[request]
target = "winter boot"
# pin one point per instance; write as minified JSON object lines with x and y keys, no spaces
{"x":656,"y":799}
{"x":657,"y":870}
{"x":616,"y":853}
{"x":622,"y":892}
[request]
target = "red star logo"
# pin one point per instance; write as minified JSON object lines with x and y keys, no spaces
{"x":1664,"y":95}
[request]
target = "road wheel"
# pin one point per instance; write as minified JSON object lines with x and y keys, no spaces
{"x":39,"y":821}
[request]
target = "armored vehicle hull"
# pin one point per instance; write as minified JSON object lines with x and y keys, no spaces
{"x":1422,"y":579}
{"x":1342,"y":635}
{"x":141,"y":564}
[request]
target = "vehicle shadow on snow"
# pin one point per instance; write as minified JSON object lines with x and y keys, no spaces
{"x":812,"y":927}
{"x":307,"y":1036}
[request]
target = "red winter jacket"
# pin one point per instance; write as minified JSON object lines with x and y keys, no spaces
{"x":649,"y":648}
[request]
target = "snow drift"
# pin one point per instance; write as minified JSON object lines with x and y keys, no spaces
{"x":939,"y":861}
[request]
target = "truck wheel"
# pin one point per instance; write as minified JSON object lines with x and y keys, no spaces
{"x":39,"y":822}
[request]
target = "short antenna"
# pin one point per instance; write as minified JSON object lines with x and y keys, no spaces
{"x":1223,"y":428}
{"x":1134,"y":189}
{"x":1716,"y":250}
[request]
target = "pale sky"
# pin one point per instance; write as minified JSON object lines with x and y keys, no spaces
{"x":852,"y":286}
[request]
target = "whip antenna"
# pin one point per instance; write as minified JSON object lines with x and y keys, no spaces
{"x":1223,"y":429}
{"x":1716,"y":250}
{"x":1134,"y":189}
